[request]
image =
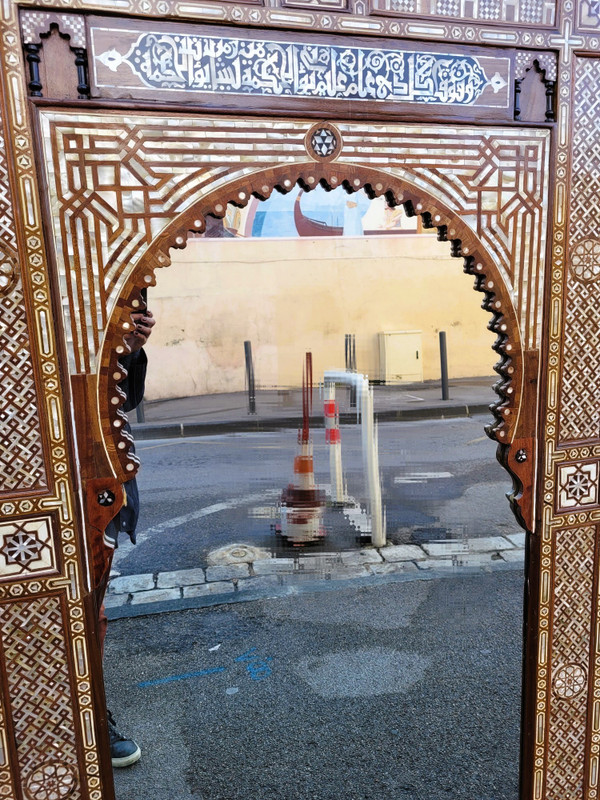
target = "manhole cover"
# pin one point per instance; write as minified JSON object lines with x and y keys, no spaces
{"x":236,"y":554}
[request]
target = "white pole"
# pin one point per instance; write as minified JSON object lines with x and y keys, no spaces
{"x":369,"y":447}
{"x":371,"y":459}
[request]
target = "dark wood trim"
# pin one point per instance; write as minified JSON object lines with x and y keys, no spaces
{"x":293,"y":35}
{"x":216,"y":108}
{"x":32,"y":56}
{"x":350,"y":110}
{"x":83,"y":78}
{"x":263,"y":26}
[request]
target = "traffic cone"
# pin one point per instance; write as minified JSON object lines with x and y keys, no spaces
{"x":302,"y":503}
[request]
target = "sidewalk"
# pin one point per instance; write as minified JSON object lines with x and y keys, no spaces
{"x":211,"y":414}
{"x":240,"y":572}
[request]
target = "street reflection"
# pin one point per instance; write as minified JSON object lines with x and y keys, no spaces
{"x":325,"y":596}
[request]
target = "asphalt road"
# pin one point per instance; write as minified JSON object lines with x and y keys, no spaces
{"x":440,"y":479}
{"x":403,"y":690}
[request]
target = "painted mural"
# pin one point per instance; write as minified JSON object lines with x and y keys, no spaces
{"x":316,"y":213}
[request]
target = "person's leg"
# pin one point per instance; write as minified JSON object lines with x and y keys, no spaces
{"x":124,"y":751}
{"x":99,"y":594}
{"x":102,"y":628}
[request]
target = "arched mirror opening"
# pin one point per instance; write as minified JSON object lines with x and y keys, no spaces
{"x":335,"y":535}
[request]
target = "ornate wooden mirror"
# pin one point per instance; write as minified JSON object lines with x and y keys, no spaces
{"x":122,"y":133}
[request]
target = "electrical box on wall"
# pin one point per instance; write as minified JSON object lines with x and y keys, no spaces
{"x":400,"y":357}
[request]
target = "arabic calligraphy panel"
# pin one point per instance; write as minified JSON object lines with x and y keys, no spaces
{"x":178,"y":60}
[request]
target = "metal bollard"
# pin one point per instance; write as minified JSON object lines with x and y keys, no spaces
{"x":139,"y":412}
{"x":350,"y":346}
{"x":250,"y":377}
{"x":444,"y":366}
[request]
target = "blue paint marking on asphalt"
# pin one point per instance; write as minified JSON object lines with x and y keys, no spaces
{"x":257,"y":670}
{"x":184,"y":676}
{"x":247,"y":656}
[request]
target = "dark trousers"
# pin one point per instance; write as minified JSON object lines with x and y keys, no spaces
{"x":99,"y":593}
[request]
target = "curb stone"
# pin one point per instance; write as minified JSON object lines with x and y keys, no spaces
{"x":175,"y":430}
{"x":169,"y":591}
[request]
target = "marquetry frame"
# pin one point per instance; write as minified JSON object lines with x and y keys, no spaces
{"x":561,"y":722}
{"x":512,"y":275}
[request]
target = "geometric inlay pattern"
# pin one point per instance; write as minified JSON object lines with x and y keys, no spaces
{"x":51,"y":782}
{"x":585,"y":259}
{"x":580,"y":411}
{"x":39,"y":686}
{"x":536,"y":12}
{"x":117,"y":183}
{"x":570,"y":653}
{"x":34,"y":23}
{"x":8,"y":270}
{"x":124,"y":210}
{"x":7,"y":223}
{"x":21,"y":547}
{"x":577,"y":485}
{"x":579,"y":406}
{"x":323,"y":142}
{"x":589,"y":14}
{"x":569,"y":681}
{"x":524,"y":62}
{"x":106,"y":498}
{"x":26,"y":547}
{"x":21,"y":455}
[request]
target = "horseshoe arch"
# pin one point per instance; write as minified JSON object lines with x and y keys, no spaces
{"x":513,"y":430}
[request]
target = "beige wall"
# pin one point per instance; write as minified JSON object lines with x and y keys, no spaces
{"x":290,"y":296}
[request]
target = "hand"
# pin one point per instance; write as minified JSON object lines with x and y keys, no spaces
{"x":144,"y":322}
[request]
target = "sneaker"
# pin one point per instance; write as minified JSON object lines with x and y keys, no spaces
{"x":123,"y":751}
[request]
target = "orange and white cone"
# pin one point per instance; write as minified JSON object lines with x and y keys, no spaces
{"x":302,"y":503}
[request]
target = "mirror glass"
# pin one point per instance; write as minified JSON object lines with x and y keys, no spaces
{"x":325,"y":597}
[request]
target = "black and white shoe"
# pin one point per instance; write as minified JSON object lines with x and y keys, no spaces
{"x":123,"y":751}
